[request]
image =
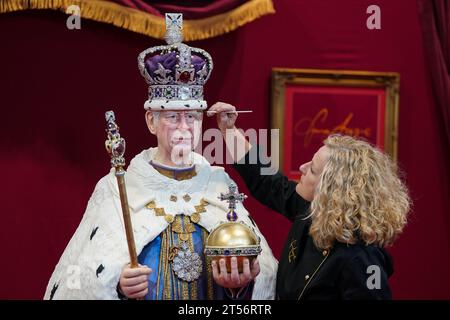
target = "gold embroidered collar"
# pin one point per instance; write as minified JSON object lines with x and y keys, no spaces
{"x":175,"y":173}
{"x":183,"y":229}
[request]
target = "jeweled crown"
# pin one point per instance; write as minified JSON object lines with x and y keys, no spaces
{"x":176,"y":72}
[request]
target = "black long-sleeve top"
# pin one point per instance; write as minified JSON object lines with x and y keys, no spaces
{"x":347,"y":271}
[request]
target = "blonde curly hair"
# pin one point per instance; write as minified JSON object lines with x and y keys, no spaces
{"x":359,"y":196}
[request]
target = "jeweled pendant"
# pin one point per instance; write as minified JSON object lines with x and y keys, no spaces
{"x":187,"y":265}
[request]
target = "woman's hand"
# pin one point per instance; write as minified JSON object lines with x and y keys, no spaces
{"x":224,"y":120}
{"x":234,"y":279}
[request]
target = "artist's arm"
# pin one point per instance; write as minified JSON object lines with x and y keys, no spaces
{"x":273,"y":190}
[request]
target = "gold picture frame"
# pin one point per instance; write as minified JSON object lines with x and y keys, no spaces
{"x":382,"y":87}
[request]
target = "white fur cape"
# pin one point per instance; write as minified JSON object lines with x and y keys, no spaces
{"x":91,"y":264}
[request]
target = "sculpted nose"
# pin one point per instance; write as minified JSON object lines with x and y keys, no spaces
{"x":303,"y":168}
{"x":182,"y":124}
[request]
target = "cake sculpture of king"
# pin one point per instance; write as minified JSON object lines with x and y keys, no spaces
{"x":174,"y":204}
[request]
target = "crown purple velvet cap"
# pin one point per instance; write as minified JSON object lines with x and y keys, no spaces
{"x":176,"y":74}
{"x":169,"y":61}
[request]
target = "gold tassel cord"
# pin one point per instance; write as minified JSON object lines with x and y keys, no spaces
{"x":148,"y":24}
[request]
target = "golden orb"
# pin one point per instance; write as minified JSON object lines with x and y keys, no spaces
{"x":232,"y":239}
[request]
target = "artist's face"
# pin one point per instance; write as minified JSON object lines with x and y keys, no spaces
{"x":311,"y":174}
{"x":177,"y":131}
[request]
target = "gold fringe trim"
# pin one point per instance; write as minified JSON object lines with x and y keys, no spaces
{"x":147,"y":24}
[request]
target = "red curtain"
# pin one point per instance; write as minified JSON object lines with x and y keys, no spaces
{"x":434,"y":16}
{"x":202,"y":19}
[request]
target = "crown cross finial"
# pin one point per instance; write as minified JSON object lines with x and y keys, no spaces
{"x":174,"y":28}
{"x":232,"y":197}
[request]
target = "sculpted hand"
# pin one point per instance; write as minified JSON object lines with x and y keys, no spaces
{"x":234,"y":279}
{"x":133,"y":282}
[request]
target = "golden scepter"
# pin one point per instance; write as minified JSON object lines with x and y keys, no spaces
{"x":115,"y":145}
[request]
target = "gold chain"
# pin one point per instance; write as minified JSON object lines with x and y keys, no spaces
{"x":182,"y":229}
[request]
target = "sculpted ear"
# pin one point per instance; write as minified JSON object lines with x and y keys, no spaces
{"x":150,"y":120}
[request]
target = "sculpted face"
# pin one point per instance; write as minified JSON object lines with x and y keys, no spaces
{"x":311,"y":174}
{"x":177,"y":133}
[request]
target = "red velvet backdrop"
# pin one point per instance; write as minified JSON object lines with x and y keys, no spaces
{"x":56,"y":85}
